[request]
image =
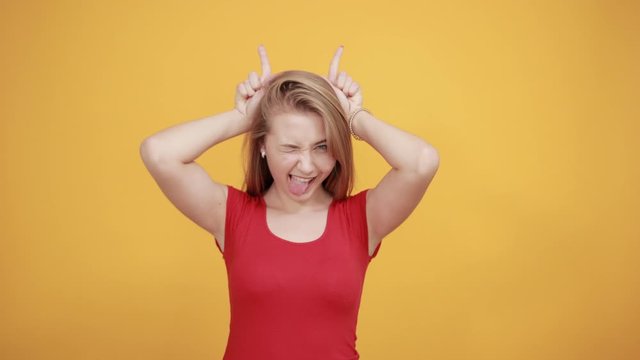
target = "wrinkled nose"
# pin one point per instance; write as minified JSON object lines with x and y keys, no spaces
{"x":305,"y":163}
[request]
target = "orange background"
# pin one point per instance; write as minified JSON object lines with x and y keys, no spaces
{"x":526,"y":246}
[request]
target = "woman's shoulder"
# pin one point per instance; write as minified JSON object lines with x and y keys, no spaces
{"x":240,"y":198}
{"x":239,"y":193}
{"x":359,"y":196}
{"x":353,"y":203}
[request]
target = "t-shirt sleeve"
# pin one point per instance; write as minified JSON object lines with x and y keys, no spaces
{"x":357,"y":210}
{"x":236,"y":203}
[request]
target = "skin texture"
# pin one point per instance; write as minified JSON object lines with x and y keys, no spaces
{"x":170,"y":156}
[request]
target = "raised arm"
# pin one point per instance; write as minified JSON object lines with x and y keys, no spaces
{"x":170,"y":155}
{"x":413,"y":161}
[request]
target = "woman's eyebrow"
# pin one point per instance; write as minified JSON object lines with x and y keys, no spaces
{"x":297,"y":146}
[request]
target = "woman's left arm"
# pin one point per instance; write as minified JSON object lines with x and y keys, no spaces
{"x":413,"y":161}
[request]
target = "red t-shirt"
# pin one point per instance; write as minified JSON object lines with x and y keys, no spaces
{"x":290,"y":300}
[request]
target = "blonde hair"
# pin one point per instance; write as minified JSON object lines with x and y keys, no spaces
{"x":304,"y":92}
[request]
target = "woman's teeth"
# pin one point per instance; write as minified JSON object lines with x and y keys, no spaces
{"x":300,"y":179}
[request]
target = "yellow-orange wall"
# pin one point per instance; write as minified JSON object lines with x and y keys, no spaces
{"x":526,"y":246}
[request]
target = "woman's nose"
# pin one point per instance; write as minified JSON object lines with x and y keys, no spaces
{"x":305,"y":162}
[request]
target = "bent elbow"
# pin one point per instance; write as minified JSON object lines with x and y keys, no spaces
{"x":428,"y":161}
{"x":149,"y":151}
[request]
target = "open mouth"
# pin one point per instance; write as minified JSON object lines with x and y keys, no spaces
{"x":299,"y":185}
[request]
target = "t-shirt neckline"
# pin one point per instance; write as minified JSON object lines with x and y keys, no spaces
{"x":318,"y":239}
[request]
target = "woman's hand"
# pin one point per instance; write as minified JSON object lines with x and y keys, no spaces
{"x":347,"y":90}
{"x":249,"y":92}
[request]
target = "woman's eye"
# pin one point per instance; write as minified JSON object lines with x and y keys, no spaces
{"x":322,"y":147}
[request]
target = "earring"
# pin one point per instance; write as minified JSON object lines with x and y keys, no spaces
{"x":263,"y":154}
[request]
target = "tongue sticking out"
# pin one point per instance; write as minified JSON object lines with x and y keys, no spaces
{"x":297,"y":186}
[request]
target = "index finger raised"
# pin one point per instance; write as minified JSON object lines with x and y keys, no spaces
{"x":335,"y":64}
{"x":264,"y":60}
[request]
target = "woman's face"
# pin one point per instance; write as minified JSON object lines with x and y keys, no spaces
{"x":297,"y":155}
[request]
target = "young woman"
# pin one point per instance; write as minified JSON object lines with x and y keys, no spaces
{"x":296,"y":243}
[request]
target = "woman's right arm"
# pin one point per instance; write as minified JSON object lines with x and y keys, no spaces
{"x":170,"y":155}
